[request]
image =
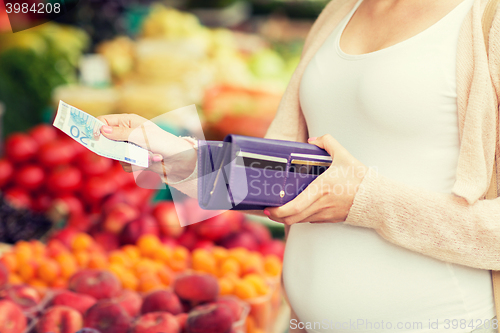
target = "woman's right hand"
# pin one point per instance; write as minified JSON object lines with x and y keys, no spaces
{"x":176,"y":154}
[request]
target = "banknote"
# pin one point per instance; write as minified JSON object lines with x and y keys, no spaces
{"x":86,"y":130}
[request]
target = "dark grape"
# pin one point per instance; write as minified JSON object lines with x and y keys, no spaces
{"x":16,"y":225}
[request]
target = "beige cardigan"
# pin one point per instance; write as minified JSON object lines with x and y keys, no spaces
{"x":441,"y":226}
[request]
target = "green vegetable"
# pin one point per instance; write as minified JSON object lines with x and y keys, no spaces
{"x":32,"y":64}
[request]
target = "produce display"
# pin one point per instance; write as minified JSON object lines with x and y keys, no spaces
{"x":121,"y":262}
{"x":176,"y":61}
{"x":137,"y":287}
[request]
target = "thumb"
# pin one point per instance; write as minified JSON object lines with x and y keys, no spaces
{"x":328,"y":143}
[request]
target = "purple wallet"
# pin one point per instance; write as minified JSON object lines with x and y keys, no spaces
{"x":247,"y":173}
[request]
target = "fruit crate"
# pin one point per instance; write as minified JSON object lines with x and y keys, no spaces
{"x":265,"y":310}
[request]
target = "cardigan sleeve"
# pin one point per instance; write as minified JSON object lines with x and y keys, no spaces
{"x":442,"y":226}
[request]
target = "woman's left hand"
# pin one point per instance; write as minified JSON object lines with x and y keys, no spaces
{"x":330,"y":196}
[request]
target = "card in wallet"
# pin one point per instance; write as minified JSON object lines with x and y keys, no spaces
{"x":247,"y":173}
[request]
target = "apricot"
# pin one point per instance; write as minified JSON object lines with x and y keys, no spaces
{"x":148,"y":245}
{"x":230,"y":265}
{"x":203,"y":261}
{"x":258,"y":282}
{"x":166,"y":275}
{"x":9,"y":259}
{"x":245,"y":289}
{"x":48,"y":270}
{"x":67,"y":263}
{"x":82,"y":242}
{"x":272,"y":265}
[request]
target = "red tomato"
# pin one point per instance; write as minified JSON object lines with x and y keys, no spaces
{"x":20,"y":147}
{"x":97,"y":188}
{"x":92,"y":164}
{"x":56,"y":153}
{"x":43,"y":133}
{"x":64,"y":179}
{"x":17,"y":197}
{"x":41,"y":203}
{"x":76,"y":146}
{"x":30,"y":177}
{"x":70,"y":203}
{"x":121,"y":177}
{"x":6,"y":171}
{"x":81,"y":222}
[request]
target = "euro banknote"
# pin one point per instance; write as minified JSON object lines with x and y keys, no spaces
{"x":86,"y":130}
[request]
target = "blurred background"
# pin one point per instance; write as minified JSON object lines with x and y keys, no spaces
{"x":232,"y":58}
{"x":64,"y":210}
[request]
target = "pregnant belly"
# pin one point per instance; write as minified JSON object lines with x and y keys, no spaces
{"x":350,"y":279}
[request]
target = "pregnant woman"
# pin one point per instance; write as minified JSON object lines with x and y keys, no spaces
{"x":395,"y":235}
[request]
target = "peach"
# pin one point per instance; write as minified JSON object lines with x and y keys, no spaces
{"x":108,"y":317}
{"x":155,"y":322}
{"x":66,"y":236}
{"x":130,"y":301}
{"x":237,"y":307}
{"x":210,"y":318}
{"x":118,"y":217}
{"x":23,"y":295}
{"x":96,"y":283}
{"x":162,"y":300}
{"x":168,"y":221}
{"x":108,"y":240}
{"x":55,"y":247}
{"x":204,"y":244}
{"x":88,"y":330}
{"x":260,"y":231}
{"x":59,"y":319}
{"x":199,"y":287}
{"x":188,"y":239}
{"x":79,"y":302}
{"x":214,"y":229}
{"x":4,"y":275}
{"x":12,"y":319}
{"x":243,"y":239}
{"x":181,"y":319}
{"x":145,"y":225}
{"x":275,"y":247}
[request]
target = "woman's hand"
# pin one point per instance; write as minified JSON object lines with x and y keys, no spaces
{"x":330,"y":196}
{"x":168,"y":151}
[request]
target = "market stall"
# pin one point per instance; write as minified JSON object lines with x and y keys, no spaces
{"x":84,"y":243}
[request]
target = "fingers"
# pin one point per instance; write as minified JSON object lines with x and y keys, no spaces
{"x":328,"y":143}
{"x":125,"y":119}
{"x":127,"y":167}
{"x":116,"y":133}
{"x":298,"y":206}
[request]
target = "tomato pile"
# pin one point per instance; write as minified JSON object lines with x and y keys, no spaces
{"x":44,"y":167}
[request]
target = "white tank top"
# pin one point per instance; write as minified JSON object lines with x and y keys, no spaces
{"x":396,"y":110}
